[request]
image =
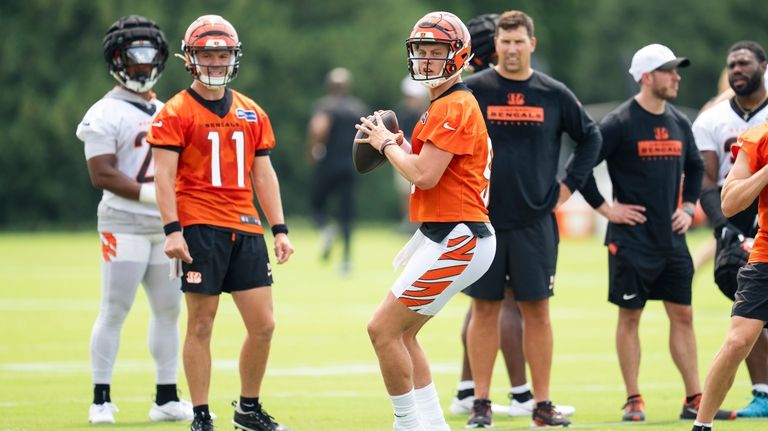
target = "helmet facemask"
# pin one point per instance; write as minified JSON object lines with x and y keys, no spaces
{"x":438,"y":70}
{"x":138,"y":66}
{"x":211,"y":75}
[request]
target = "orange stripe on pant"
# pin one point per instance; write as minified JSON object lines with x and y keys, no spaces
{"x":433,"y":282}
{"x":108,"y":246}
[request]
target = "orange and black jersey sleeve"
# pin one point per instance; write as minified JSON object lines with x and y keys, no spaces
{"x":217,"y":142}
{"x":526,"y":121}
{"x":453,"y":123}
{"x":647,"y":156}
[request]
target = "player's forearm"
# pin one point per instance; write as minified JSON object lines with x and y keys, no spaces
{"x":738,"y":194}
{"x":267,"y":189}
{"x":104,"y":175}
{"x":165,"y":185}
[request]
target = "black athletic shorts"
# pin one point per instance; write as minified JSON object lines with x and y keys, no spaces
{"x":525,"y":261}
{"x":224,"y":261}
{"x":752,"y":294}
{"x":636,"y":276}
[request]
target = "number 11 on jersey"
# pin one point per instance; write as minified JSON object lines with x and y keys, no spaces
{"x":239,"y":139}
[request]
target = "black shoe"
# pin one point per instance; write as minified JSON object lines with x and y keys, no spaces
{"x":691,"y":409}
{"x":481,"y":415}
{"x":258,"y":420}
{"x":701,"y":428}
{"x":545,"y":415}
{"x":202,"y":423}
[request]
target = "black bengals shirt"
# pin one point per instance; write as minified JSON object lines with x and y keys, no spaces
{"x":647,"y":157}
{"x":526,"y":120}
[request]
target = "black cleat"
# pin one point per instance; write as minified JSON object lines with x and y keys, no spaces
{"x":545,"y":415}
{"x":202,"y":423}
{"x":481,"y":415}
{"x":634,"y":409}
{"x":690,"y":410}
{"x":257,"y":420}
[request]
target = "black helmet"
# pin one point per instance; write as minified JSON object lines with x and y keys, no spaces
{"x":133,"y":40}
{"x":482,"y":29}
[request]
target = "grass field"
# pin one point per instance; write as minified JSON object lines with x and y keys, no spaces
{"x":323,"y":374}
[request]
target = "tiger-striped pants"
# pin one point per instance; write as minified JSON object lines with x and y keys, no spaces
{"x":434,"y":272}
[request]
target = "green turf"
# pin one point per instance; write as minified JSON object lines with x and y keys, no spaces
{"x":323,"y":373}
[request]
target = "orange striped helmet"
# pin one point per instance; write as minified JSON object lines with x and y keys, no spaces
{"x":445,"y":28}
{"x":211,"y":33}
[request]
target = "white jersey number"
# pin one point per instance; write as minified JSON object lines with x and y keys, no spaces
{"x":239,"y":139}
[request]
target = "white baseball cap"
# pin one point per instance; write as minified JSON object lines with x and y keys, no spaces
{"x":654,"y":57}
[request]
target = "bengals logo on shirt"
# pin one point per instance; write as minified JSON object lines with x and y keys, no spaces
{"x":515,"y":99}
{"x":661,"y":146}
{"x":515,"y":111}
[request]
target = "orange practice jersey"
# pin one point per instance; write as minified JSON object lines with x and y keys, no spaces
{"x":454,"y":123}
{"x":213,"y":183}
{"x":754,"y":142}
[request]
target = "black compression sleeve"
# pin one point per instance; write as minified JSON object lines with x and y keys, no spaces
{"x":710,"y":203}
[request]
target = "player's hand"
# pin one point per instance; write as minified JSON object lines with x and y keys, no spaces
{"x":377,"y":133}
{"x":681,"y":221}
{"x":283,"y":248}
{"x":565,"y":194}
{"x":176,"y":246}
{"x":628,"y":214}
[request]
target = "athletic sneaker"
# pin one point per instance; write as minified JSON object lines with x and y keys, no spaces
{"x":758,"y":408}
{"x":200,"y":423}
{"x":172,"y":411}
{"x":516,"y":408}
{"x":258,"y":420}
{"x":545,"y":415}
{"x":690,"y":410}
{"x":102,"y":413}
{"x":701,"y":428}
{"x":634,"y":410}
{"x":482,"y":415}
{"x":461,"y":406}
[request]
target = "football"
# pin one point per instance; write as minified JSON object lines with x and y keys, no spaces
{"x":364,"y":157}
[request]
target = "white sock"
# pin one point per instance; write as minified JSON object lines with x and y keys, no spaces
{"x":761,"y":387}
{"x":525,"y":387}
{"x":406,"y":413}
{"x":699,"y":424}
{"x":430,"y":411}
{"x":465,"y":384}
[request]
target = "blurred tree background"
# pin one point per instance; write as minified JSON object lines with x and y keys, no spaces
{"x":53,"y":70}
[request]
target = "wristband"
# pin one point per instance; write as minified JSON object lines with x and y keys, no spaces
{"x":147,"y":194}
{"x":386,"y":144}
{"x":172,"y":227}
{"x":279,"y":228}
{"x":689,"y":211}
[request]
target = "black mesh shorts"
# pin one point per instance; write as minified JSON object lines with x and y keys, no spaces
{"x":752,"y":295}
{"x":525,"y":261}
{"x":224,"y":261}
{"x":636,"y":276}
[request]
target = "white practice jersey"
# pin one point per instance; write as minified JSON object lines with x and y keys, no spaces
{"x":118,"y":124}
{"x":717,"y":128}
